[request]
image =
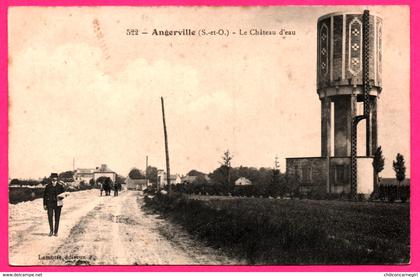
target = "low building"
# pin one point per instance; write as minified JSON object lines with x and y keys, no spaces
{"x":104,"y":171}
{"x":242,"y":181}
{"x":394,"y":182}
{"x":84,"y":174}
{"x":188,"y":179}
{"x":136,"y":184}
{"x":330,"y":174}
{"x":162,"y":180}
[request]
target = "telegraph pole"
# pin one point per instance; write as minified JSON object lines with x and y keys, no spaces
{"x":168,"y":172}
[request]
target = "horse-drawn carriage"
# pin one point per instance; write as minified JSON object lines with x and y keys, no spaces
{"x":106,"y":185}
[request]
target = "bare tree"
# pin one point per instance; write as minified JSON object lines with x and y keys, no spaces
{"x":275,"y":181}
{"x":226,"y":162}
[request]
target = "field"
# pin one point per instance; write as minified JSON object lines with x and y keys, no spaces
{"x":275,"y":231}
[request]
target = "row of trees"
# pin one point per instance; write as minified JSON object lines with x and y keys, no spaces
{"x":266,"y":181}
{"x":398,"y":165}
{"x":269,"y":181}
{"x":66,"y":176}
{"x":225,"y":172}
{"x":151,"y":174}
{"x":378,"y":165}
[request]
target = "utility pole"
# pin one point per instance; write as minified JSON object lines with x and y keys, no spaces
{"x":145,"y":172}
{"x":168,"y":172}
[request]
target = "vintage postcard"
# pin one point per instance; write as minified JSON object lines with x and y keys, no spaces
{"x":274,"y":135}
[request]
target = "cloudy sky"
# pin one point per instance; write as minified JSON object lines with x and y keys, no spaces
{"x":79,"y":87}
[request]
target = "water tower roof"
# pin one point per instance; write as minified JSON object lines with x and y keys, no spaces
{"x":347,"y":13}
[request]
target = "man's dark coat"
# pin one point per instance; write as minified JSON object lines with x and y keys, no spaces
{"x":50,"y":194}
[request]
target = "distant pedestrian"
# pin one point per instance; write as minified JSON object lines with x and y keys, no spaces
{"x":53,"y":202}
{"x":115,"y":189}
{"x":102,"y":187}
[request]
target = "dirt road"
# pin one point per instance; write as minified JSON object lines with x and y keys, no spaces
{"x":102,"y":231}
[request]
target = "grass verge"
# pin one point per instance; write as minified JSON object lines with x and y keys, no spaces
{"x":273,"y":231}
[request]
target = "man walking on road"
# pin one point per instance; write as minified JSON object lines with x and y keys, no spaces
{"x":53,"y":202}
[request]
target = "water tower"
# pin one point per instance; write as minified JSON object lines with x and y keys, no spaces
{"x":349,"y":81}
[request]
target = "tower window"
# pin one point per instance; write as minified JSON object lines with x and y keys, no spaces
{"x":341,"y":174}
{"x":297,"y":173}
{"x":307,"y":174}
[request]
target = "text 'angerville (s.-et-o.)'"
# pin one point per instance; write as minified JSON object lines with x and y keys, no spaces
{"x":187,"y":32}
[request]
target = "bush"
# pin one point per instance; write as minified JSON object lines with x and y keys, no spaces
{"x":18,"y":194}
{"x":392,"y":193}
{"x":405,"y":193}
{"x":27,"y":182}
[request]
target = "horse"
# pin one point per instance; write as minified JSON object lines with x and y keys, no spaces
{"x":107,"y":186}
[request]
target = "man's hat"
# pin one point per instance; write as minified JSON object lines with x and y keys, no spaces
{"x":54,"y":175}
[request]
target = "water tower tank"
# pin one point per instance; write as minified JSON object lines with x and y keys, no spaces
{"x":340,"y":52}
{"x":340,"y":57}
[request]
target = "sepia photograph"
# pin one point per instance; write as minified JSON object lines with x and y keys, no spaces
{"x":196,"y":135}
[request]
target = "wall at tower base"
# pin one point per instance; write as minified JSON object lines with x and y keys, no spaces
{"x":364,"y":175}
{"x":310,"y":172}
{"x":340,"y":171}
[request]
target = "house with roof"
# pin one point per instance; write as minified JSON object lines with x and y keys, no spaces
{"x":136,"y":184}
{"x":104,"y":171}
{"x":162,"y":180}
{"x":84,"y":175}
{"x":242,"y":181}
{"x":188,"y":179}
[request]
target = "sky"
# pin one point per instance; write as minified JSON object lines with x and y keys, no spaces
{"x":80,"y":87}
